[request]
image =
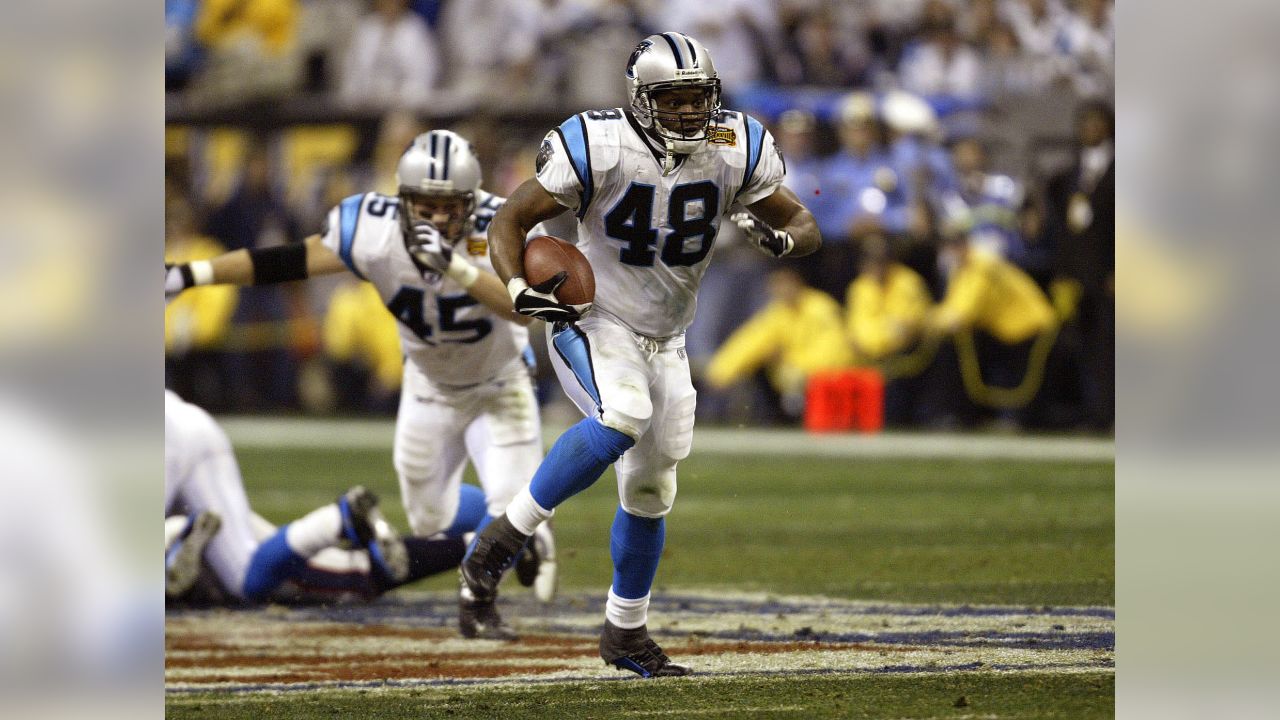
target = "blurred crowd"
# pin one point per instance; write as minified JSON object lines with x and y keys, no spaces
{"x":957,"y":154}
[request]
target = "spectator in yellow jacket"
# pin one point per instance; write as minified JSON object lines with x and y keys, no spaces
{"x":361,"y":339}
{"x":1004,"y":328}
{"x":253,"y":51}
{"x":886,"y":305}
{"x":799,"y":332}
{"x":196,"y":323}
{"x":197,"y":320}
{"x":988,"y":293}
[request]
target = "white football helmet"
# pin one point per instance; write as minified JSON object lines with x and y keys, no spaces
{"x":439,"y":167}
{"x":671,"y":61}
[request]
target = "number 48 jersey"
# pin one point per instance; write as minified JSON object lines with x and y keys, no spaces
{"x":444,"y":331}
{"x":648,"y":236}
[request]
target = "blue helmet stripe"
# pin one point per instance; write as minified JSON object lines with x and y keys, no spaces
{"x":574,"y":133}
{"x":431,"y":167}
{"x":348,"y":220}
{"x":675,"y":49}
{"x":444,"y":173}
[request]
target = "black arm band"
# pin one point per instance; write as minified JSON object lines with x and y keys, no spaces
{"x":281,"y":263}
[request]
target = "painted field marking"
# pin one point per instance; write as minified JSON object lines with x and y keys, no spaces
{"x":408,"y":641}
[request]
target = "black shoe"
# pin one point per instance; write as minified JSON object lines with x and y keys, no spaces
{"x":480,"y":620}
{"x":495,"y":549}
{"x":363,"y":525}
{"x":634,"y":650}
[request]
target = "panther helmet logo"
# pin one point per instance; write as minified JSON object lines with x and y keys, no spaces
{"x":635,"y":55}
{"x":544,"y":154}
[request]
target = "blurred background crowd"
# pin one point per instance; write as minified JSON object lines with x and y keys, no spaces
{"x":957,"y":154}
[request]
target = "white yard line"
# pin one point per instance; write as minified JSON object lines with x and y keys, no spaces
{"x":256,"y":432}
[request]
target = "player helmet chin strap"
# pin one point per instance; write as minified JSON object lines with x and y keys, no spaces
{"x":668,"y":160}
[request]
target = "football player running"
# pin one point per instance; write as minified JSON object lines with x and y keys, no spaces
{"x":648,"y":184}
{"x":467,"y":391}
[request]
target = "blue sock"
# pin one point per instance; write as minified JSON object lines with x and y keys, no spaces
{"x":636,"y":546}
{"x":472,"y":515}
{"x":272,"y":563}
{"x":579,"y":457}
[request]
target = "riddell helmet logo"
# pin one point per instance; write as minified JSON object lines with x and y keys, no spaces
{"x":635,"y":55}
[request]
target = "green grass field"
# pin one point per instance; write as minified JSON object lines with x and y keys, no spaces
{"x":912,"y":531}
{"x":956,"y":532}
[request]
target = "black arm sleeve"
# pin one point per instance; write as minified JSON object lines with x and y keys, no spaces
{"x":281,"y":263}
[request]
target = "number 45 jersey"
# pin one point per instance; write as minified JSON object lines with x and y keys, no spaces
{"x":648,"y":236}
{"x":448,"y":334}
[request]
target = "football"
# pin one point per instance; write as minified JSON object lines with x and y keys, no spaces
{"x":544,"y":256}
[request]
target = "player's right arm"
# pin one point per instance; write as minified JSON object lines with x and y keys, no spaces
{"x":260,"y":266}
{"x":529,"y":205}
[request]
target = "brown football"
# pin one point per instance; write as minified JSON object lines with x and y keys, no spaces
{"x":544,"y":256}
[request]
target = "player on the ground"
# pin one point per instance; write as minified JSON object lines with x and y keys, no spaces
{"x":467,"y":392}
{"x":648,"y":184}
{"x":202,"y":480}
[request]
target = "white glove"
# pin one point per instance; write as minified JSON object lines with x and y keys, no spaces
{"x":175,"y":281}
{"x":186,"y":275}
{"x":774,"y":243}
{"x":428,"y":246}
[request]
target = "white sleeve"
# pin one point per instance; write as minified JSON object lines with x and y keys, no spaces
{"x":765,"y":166}
{"x":556,"y":172}
{"x":339,"y":234}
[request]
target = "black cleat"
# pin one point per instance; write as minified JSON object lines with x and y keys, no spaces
{"x":634,"y":650}
{"x":363,"y":525}
{"x":494,"y":550}
{"x":480,"y":620}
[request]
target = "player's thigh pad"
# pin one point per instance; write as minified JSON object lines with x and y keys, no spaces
{"x":604,"y":372}
{"x":429,"y":452}
{"x":647,"y":472}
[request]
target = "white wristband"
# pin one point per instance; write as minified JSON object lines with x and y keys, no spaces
{"x":462,"y":272}
{"x":201,"y":272}
{"x":515,"y":286}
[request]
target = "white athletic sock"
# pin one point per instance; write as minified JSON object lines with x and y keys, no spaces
{"x":525,"y":513}
{"x":315,"y":531}
{"x":626,"y":613}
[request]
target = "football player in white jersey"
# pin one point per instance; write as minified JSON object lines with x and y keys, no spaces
{"x":648,"y":184}
{"x":467,"y":391}
{"x":202,"y":480}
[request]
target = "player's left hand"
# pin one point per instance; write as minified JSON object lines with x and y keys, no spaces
{"x":176,"y":279}
{"x":774,"y":243}
{"x":428,"y":246}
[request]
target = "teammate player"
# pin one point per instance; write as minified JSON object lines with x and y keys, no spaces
{"x":467,"y":390}
{"x":202,"y":479}
{"x":648,"y":184}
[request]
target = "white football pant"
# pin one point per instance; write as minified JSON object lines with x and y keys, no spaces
{"x":638,"y":386}
{"x":438,"y":428}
